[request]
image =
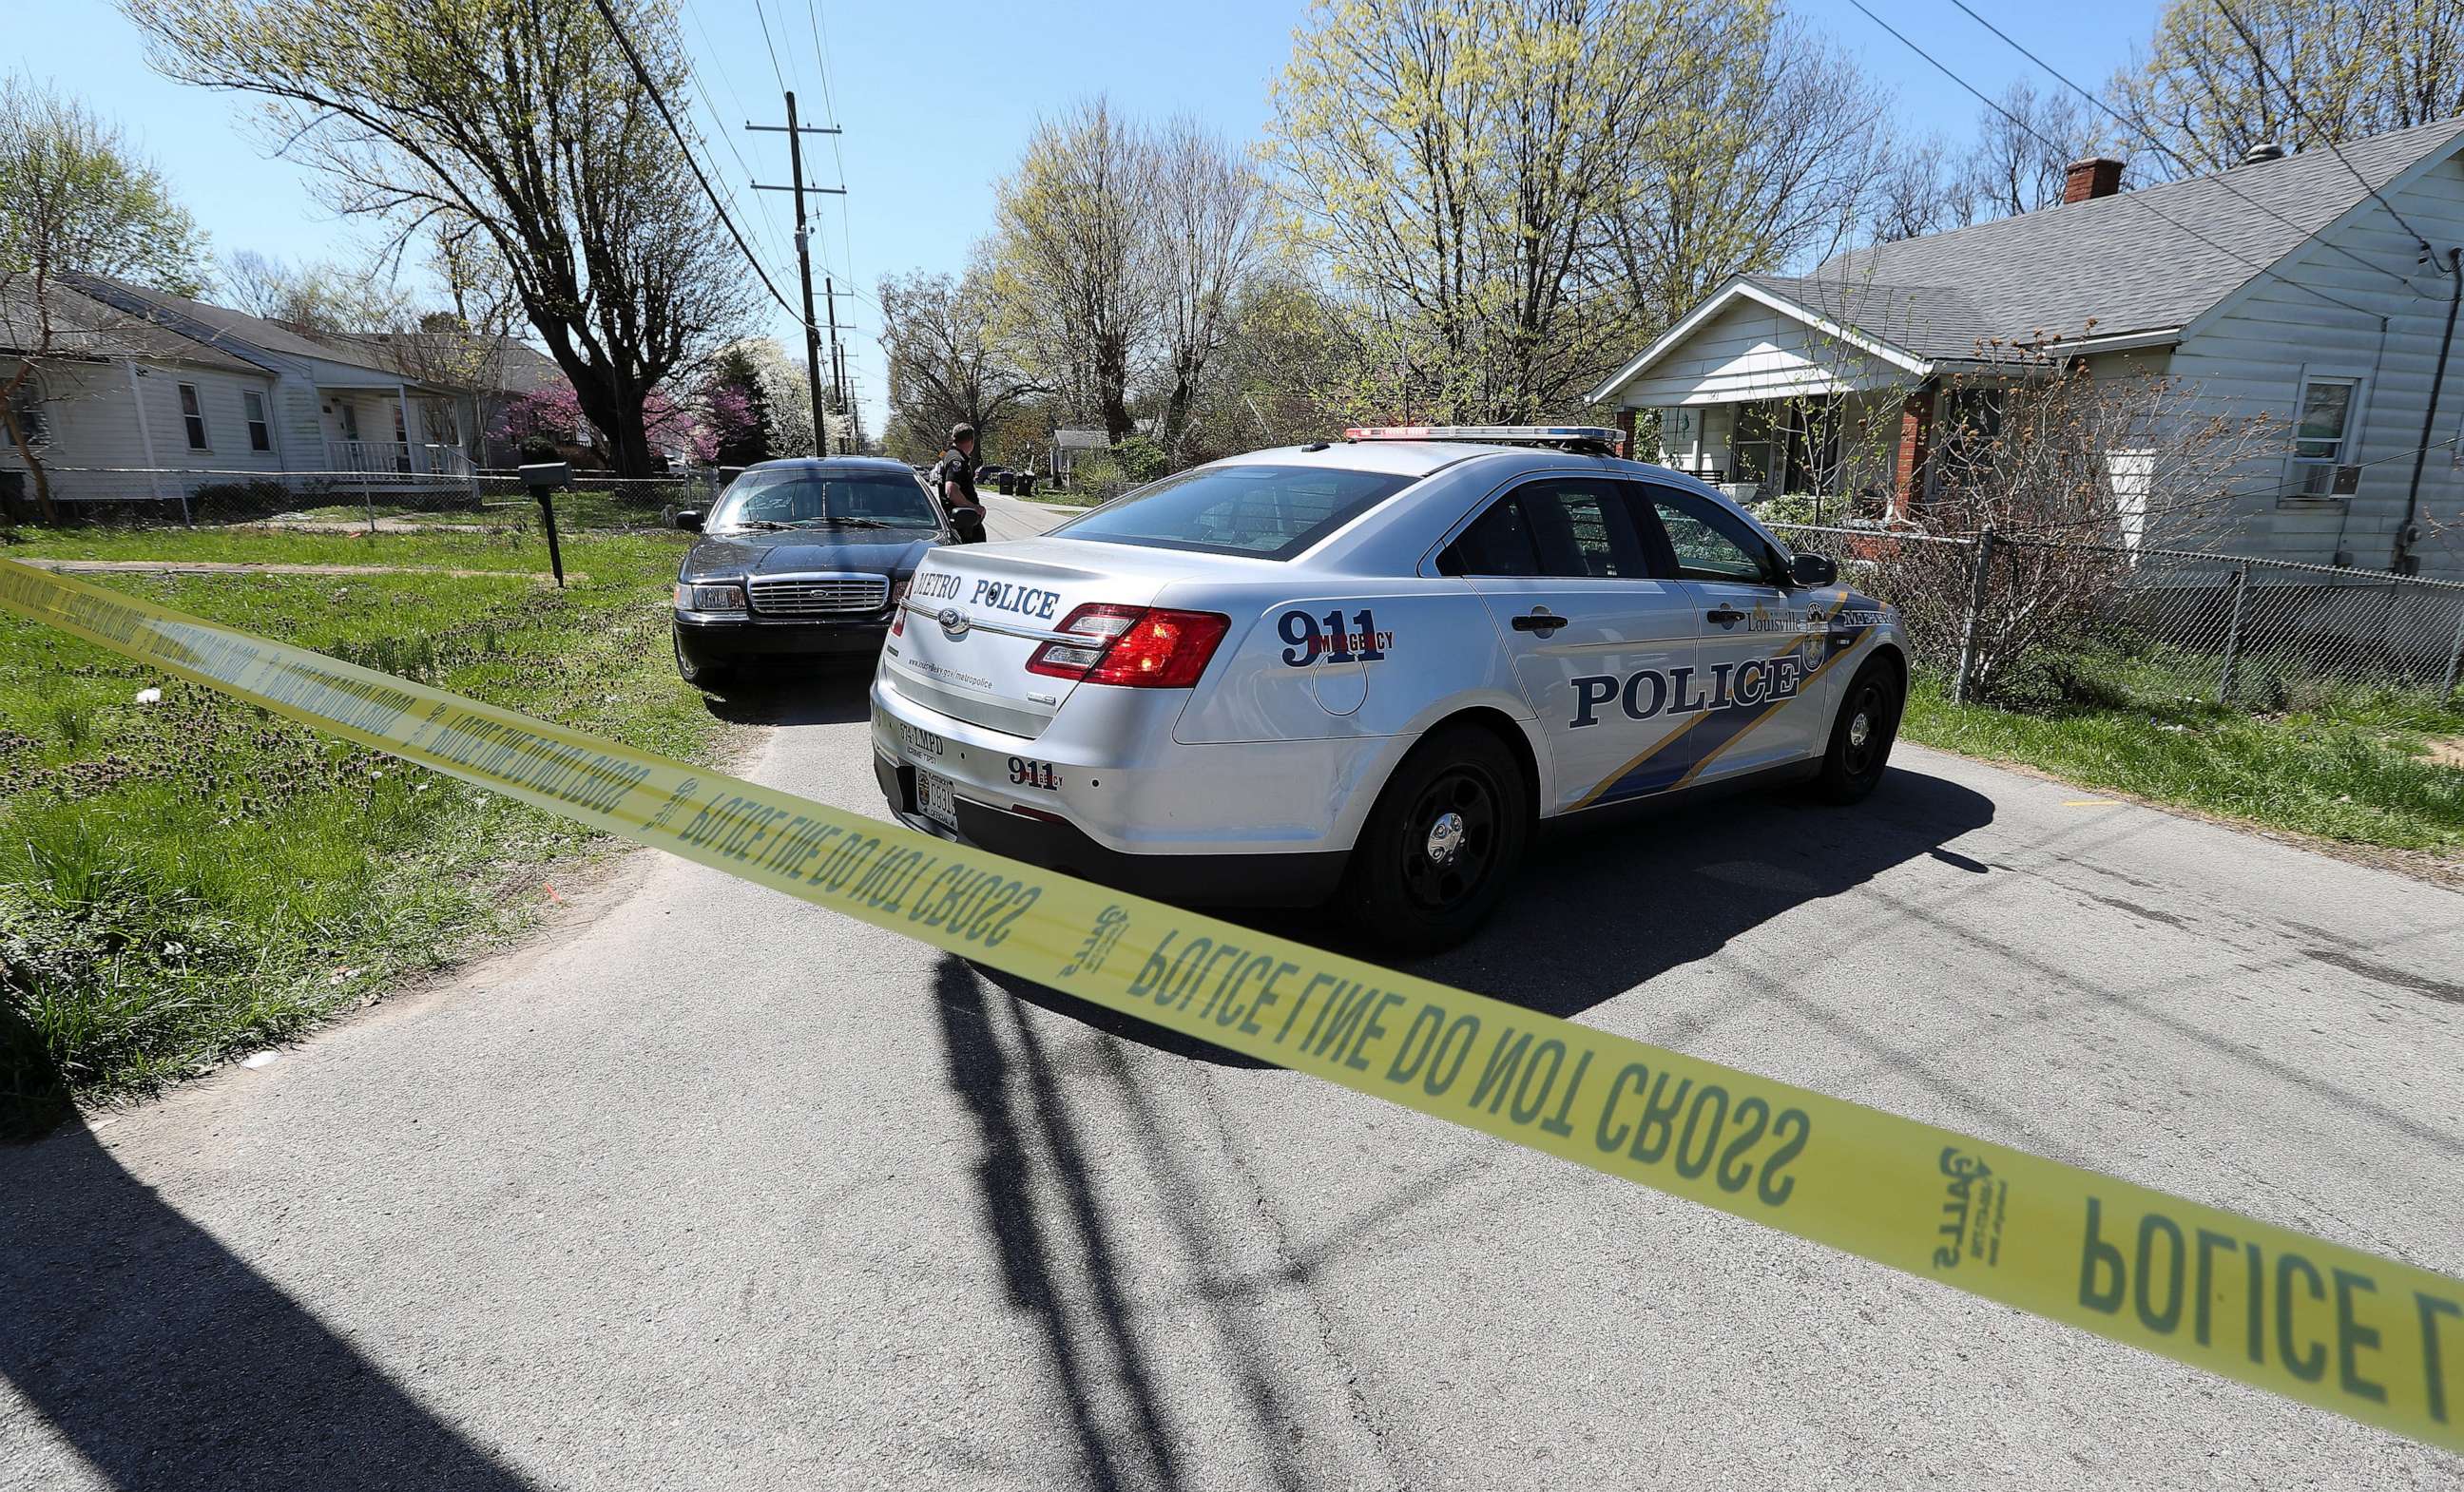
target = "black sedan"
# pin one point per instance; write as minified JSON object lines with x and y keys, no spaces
{"x":799,"y":557}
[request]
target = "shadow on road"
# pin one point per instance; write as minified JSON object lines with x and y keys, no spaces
{"x":981,"y":1074}
{"x":1598,"y":911}
{"x":168,"y":1363}
{"x":796,"y":692}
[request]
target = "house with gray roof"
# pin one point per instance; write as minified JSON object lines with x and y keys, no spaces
{"x":143,"y":395}
{"x":2314,"y":289}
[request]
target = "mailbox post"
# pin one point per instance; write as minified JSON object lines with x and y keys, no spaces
{"x":543,"y":479}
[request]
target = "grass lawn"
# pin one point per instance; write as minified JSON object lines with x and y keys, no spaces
{"x":1066,"y":499}
{"x":186,"y":880}
{"x":2357,"y":775}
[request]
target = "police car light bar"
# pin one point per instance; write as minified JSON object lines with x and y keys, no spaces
{"x":1499,"y":434}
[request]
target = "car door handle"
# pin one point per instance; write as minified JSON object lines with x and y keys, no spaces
{"x":1724,"y":615}
{"x":1538,"y":622}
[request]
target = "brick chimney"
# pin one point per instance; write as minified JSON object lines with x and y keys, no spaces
{"x":2098,"y":176}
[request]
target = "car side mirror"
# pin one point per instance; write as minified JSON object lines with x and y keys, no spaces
{"x":689,"y":520}
{"x":1814,"y":570}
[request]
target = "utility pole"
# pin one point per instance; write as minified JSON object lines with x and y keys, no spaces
{"x":796,"y":134}
{"x":838,"y":373}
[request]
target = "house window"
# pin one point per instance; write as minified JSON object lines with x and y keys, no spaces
{"x":260,"y":434}
{"x":2322,"y":421}
{"x":193,"y":415}
{"x":26,"y":410}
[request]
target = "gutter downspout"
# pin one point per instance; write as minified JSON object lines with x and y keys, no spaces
{"x":145,"y":434}
{"x":2403,"y":561}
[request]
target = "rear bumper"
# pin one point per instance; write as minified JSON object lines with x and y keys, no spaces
{"x":718,"y":643}
{"x":1292,"y":879}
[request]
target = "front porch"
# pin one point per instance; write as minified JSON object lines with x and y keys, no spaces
{"x":1841,"y":456}
{"x":429,"y":448}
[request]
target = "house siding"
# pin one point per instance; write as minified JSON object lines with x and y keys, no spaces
{"x":98,"y":443}
{"x":1750,"y":351}
{"x":2251,"y":359}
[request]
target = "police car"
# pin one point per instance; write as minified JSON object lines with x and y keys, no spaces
{"x":1369,"y":669}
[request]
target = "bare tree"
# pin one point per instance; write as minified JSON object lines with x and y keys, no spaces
{"x":2076,"y":468}
{"x":2023,"y":148}
{"x":1071,"y":257}
{"x":1207,"y":233}
{"x":949,"y":364}
{"x":1763,"y":155}
{"x":73,"y":198}
{"x":518,"y":124}
{"x":1917,"y":191}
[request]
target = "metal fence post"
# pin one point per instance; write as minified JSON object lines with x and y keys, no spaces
{"x":2454,"y":655}
{"x":2233,"y":634}
{"x":1976,"y":588}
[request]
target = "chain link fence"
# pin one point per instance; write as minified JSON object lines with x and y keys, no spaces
{"x":2029,"y":620}
{"x":138,"y":498}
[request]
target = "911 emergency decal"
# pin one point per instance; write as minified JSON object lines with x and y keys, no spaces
{"x":1331,"y":637}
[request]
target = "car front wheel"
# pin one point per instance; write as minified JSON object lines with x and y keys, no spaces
{"x":1861,"y":736}
{"x":1443,"y":842}
{"x":700,"y":676}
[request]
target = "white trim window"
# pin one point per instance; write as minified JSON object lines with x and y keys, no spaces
{"x":260,"y":430}
{"x":2327,"y":422}
{"x":193,"y":414}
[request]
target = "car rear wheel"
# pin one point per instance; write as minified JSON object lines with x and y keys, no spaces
{"x":1440,"y":845}
{"x":1861,"y":736}
{"x":700,"y":676}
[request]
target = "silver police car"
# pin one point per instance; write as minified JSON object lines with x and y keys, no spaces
{"x":1365,"y":670}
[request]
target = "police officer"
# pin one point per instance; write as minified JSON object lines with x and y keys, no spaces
{"x":954,"y":480}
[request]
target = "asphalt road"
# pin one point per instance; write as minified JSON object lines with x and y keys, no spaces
{"x":708,"y":1189}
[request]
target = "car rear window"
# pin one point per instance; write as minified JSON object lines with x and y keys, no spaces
{"x":1268,"y":511}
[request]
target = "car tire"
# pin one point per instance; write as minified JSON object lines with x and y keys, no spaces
{"x":1862,"y":735}
{"x":700,"y":676}
{"x":1441,"y":843}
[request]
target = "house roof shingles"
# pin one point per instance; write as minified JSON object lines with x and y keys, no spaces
{"x":82,"y":327}
{"x":2115,"y":260}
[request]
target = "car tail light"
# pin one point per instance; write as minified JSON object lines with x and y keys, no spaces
{"x":1140,"y":646}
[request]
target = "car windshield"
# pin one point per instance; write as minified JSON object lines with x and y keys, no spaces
{"x":793,"y":499}
{"x":1267,"y":511}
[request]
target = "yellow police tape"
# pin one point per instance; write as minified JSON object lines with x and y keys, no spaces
{"x":2378,"y":1340}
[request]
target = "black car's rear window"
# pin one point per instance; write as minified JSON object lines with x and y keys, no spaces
{"x":1266,"y":511}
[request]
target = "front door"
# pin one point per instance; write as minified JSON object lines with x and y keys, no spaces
{"x":1595,"y":636}
{"x":1762,"y":645}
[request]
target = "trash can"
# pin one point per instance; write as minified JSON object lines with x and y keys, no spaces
{"x":1025,"y":484}
{"x":1008,"y":484}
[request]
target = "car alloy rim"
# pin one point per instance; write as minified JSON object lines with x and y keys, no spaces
{"x":1865,"y":730}
{"x":1450,"y":837}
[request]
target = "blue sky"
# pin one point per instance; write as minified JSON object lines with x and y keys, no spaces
{"x":937,"y":99}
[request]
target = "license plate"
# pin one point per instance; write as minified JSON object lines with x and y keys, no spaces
{"x":938,"y":797}
{"x":921,"y":744}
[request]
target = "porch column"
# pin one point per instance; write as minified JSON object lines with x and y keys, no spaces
{"x":411,"y":454}
{"x":1908,"y":483}
{"x":1625,"y":423}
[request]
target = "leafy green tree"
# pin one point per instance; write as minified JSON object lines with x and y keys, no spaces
{"x":2293,"y":72}
{"x":513,"y":128}
{"x":745,"y":427}
{"x":73,"y":198}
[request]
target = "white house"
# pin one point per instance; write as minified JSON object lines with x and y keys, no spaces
{"x":2314,"y":288}
{"x":148,"y":395}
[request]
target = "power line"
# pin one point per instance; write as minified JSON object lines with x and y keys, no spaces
{"x":642,"y":75}
{"x":718,"y":122}
{"x":763,"y":16}
{"x":2124,"y":122}
{"x":2293,"y":99}
{"x":2134,"y":197}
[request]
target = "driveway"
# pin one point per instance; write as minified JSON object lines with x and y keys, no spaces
{"x":710,"y":1189}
